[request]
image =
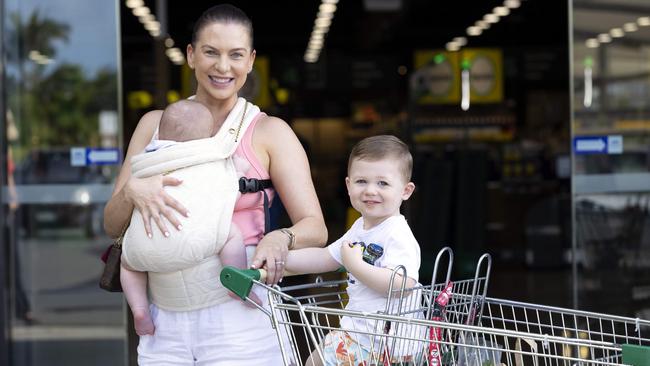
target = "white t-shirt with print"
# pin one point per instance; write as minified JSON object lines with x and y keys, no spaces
{"x":400,"y":248}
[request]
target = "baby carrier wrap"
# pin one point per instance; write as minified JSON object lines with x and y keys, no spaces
{"x":184,"y":268}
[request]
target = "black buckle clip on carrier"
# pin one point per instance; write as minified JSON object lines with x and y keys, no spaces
{"x":252,"y":185}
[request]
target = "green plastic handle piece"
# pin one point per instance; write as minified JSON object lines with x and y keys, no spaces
{"x":636,"y":355}
{"x":239,"y":281}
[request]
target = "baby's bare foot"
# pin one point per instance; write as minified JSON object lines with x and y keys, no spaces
{"x":142,"y":321}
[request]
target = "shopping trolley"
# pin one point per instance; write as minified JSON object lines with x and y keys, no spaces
{"x":470,"y":329}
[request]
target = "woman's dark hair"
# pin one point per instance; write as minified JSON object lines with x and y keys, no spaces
{"x":224,"y":13}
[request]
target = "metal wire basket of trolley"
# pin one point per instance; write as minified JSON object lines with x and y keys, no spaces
{"x":446,"y":323}
{"x":544,"y":335}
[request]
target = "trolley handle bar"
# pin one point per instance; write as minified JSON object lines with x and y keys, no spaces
{"x":240,"y":281}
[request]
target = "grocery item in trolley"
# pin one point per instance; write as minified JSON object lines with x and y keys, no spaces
{"x":435,"y":333}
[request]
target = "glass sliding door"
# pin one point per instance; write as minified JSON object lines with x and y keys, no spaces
{"x":62,"y":149}
{"x":611,"y":155}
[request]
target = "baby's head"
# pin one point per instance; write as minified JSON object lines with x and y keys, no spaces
{"x":185,"y":120}
{"x":384,"y":148}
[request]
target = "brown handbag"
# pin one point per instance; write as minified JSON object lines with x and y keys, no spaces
{"x":110,"y":280}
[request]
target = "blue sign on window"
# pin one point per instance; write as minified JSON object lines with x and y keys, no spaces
{"x":612,"y":144}
{"x":82,"y":156}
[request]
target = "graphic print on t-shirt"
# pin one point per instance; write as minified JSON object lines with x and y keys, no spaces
{"x":371,"y":253}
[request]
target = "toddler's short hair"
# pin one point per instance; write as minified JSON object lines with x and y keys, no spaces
{"x":382,"y":147}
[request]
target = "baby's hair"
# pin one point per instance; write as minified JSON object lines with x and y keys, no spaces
{"x":382,"y":147}
{"x":185,"y":120}
{"x":222,"y":13}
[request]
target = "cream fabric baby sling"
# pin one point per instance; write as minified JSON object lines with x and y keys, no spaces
{"x":184,"y":268}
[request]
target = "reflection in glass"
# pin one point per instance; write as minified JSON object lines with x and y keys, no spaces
{"x":612,"y":185}
{"x":61,"y":81}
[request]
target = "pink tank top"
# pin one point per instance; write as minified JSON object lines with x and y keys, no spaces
{"x":249,"y":208}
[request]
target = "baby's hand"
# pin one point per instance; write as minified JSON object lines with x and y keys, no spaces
{"x":351,"y":254}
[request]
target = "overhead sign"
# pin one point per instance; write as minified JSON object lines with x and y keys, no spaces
{"x":486,"y":74}
{"x":612,"y":144}
{"x":82,"y":156}
{"x":436,"y":78}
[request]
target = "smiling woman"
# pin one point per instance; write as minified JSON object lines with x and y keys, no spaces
{"x":222,"y":60}
{"x":221,"y":54}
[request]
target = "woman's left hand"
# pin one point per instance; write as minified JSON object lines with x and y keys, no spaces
{"x":271,"y":252}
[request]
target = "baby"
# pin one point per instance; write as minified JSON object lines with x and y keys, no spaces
{"x":181,"y":121}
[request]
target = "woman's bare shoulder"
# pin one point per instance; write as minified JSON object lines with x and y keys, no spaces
{"x":144,"y":131}
{"x":148,"y":123}
{"x":150,"y":119}
{"x":272,"y":128}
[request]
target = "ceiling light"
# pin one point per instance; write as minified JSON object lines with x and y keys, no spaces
{"x":152,"y":25}
{"x":501,"y":11}
{"x":482,"y":24}
{"x":643,"y":21}
{"x":327,"y":8}
{"x":141,"y":10}
{"x":512,"y":4}
{"x":134,"y":3}
{"x":604,"y":38}
{"x":324,"y":15}
{"x":146,"y":18}
{"x":322,"y":22}
{"x":491,"y":18}
{"x":316,"y":42}
{"x":328,"y":16}
{"x":630,"y":27}
{"x":592,"y":43}
{"x":616,"y":32}
{"x":460,"y":40}
{"x":452,"y":46}
{"x":174,"y":54}
{"x":474,"y":31}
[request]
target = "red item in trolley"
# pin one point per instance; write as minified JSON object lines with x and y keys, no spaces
{"x":435,"y":333}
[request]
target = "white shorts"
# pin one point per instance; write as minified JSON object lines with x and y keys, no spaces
{"x":225,"y":334}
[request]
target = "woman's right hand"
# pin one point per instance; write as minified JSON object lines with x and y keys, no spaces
{"x":150,"y":199}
